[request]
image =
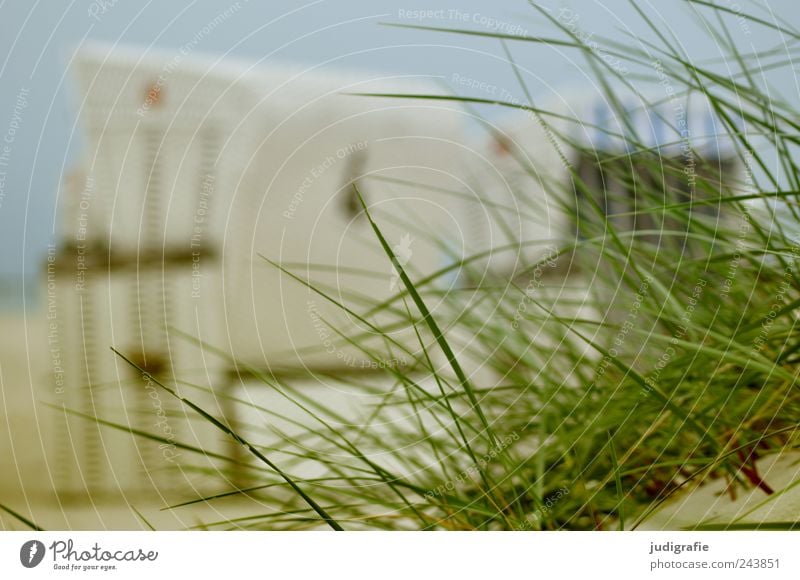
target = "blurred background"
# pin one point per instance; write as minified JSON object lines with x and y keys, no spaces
{"x":67,"y":71}
{"x":39,"y":41}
